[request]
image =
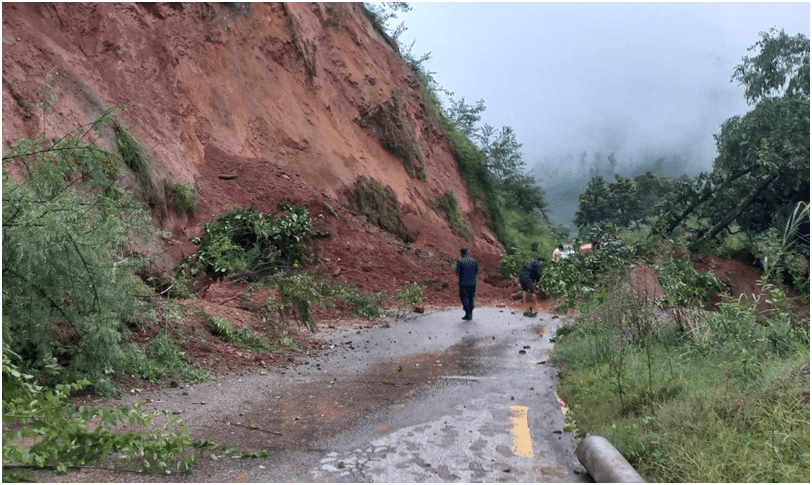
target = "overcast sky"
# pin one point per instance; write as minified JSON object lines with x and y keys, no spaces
{"x":629,"y":78}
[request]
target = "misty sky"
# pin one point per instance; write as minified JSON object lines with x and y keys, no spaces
{"x":637,"y":79}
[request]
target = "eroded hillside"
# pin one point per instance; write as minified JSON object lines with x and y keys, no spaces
{"x":252,"y":104}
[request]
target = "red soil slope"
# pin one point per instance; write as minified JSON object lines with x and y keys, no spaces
{"x":253,"y":104}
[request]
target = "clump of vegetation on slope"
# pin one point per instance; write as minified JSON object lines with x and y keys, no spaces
{"x":66,"y":282}
{"x":449,"y":203}
{"x":380,"y":205}
{"x":183,"y":197}
{"x":708,"y":397}
{"x":395,"y":133}
{"x":250,"y":241}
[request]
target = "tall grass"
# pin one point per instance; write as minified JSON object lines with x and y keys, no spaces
{"x":380,"y":205}
{"x":184,"y":197}
{"x":731,"y":407}
{"x":134,"y":156}
{"x":449,"y":203}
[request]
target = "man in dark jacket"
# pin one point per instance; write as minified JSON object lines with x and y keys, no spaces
{"x":467,"y":269}
{"x":529,"y":277}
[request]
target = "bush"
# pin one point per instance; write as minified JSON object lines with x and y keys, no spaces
{"x":570,"y":278}
{"x":408,"y":297}
{"x":369,"y":307}
{"x":133,"y":155}
{"x":299,"y":294}
{"x":66,"y":280}
{"x":245,"y":239}
{"x":63,"y":437}
{"x":731,"y":407}
{"x":161,"y":360}
{"x":244,"y":337}
{"x":514,"y":260}
{"x":685,"y":286}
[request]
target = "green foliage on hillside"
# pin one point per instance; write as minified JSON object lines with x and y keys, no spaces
{"x":393,"y":128}
{"x":66,"y":281}
{"x":495,"y":173}
{"x":69,"y":287}
{"x":489,"y":159}
{"x":718,"y":397}
{"x":249,"y":240}
{"x":686,"y":393}
{"x":408,"y":297}
{"x":65,"y":436}
{"x":380,"y":205}
{"x":762,"y":168}
{"x":449,"y":203}
{"x":184,"y":198}
{"x":134,"y":156}
{"x":625,"y":203}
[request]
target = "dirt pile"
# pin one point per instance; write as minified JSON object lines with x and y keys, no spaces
{"x":645,"y":283}
{"x":252,"y":104}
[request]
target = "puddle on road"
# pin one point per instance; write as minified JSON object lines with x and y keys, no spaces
{"x":303,"y":415}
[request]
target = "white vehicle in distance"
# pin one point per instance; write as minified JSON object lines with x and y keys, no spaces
{"x":567,"y":251}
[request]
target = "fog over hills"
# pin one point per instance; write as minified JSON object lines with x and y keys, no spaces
{"x":645,"y":81}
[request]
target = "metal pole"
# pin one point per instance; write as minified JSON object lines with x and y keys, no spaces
{"x":604,"y":462}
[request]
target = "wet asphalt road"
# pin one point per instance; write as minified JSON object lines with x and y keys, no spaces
{"x":426,"y":398}
{"x":461,"y":428}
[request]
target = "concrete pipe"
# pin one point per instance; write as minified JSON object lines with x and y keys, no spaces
{"x":604,"y":462}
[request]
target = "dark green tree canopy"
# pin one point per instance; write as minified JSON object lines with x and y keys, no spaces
{"x":761,"y":171}
{"x":627,"y":203}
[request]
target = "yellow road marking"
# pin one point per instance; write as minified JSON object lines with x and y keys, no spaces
{"x":564,"y":408}
{"x":522,"y":443}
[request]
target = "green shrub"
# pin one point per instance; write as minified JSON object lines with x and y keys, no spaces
{"x":331,"y":210}
{"x":685,"y":286}
{"x":161,"y":360}
{"x":244,"y":337}
{"x":380,"y":205}
{"x":245,"y":239}
{"x":184,"y":198}
{"x":408,"y":297}
{"x":369,"y":307}
{"x":66,"y":280}
{"x":731,"y":407}
{"x":183,"y":285}
{"x":570,"y":278}
{"x":50,"y":432}
{"x":299,"y":294}
{"x":514,"y":260}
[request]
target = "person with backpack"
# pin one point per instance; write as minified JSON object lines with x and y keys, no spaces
{"x":467,"y":270}
{"x":529,"y":277}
